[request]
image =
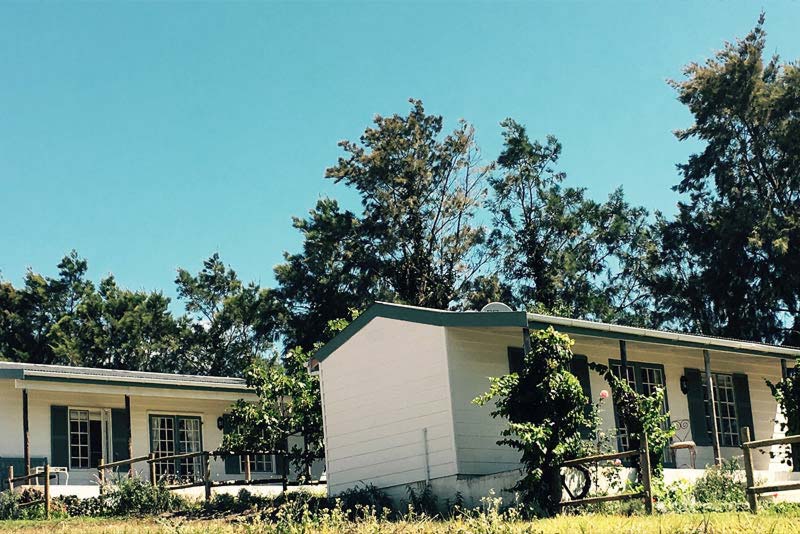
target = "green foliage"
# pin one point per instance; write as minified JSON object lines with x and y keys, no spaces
{"x":136,"y":496}
{"x":722,"y":484}
{"x":365,"y":496}
{"x":560,"y":251}
{"x":641,"y":415}
{"x":787,"y":393}
{"x":727,"y":263}
{"x":288,"y":404}
{"x":234,"y":323}
{"x":423,"y":501}
{"x":546,"y":411}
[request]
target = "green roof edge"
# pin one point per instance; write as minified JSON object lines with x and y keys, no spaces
{"x":427,"y":316}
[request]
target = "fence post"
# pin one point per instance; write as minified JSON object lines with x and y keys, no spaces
{"x":151,"y":462}
{"x":101,"y":471}
{"x":11,"y":478}
{"x":744,"y":435}
{"x":246,"y":467}
{"x":207,"y":475}
{"x":47,"y":489}
{"x":647,"y":483}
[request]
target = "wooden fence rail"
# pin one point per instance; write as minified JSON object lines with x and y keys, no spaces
{"x":24,"y":478}
{"x":644,"y":465}
{"x":747,"y":447}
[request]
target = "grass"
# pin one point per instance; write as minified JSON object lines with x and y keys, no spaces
{"x":716,"y":523}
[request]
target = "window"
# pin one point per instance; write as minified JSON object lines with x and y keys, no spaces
{"x":170,"y":435}
{"x":85,"y":439}
{"x":644,"y":378}
{"x":725,"y":401}
{"x":259,"y":463}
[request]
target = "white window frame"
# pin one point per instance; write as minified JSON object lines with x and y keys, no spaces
{"x":105,"y":434}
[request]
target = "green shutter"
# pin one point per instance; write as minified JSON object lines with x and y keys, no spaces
{"x":741,"y":394}
{"x":516,"y":358}
{"x":232,"y":466}
{"x":59,"y":436}
{"x":579,"y":366}
{"x":120,"y":432}
{"x":697,"y":407}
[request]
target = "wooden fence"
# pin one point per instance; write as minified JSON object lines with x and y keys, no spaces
{"x":644,"y":465}
{"x":747,"y":449}
{"x":46,"y":474}
{"x":151,"y":459}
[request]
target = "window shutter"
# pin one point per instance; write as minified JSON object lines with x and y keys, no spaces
{"x":579,"y":366}
{"x":697,"y":407}
{"x":120,"y":432}
{"x":232,"y":466}
{"x":281,"y":461}
{"x":741,"y":394}
{"x":516,"y":358}
{"x":59,"y":436}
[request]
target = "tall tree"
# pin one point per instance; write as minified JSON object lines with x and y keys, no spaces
{"x":333,"y":274}
{"x":122,"y":329}
{"x":729,"y":262}
{"x":233,"y":323}
{"x":420,"y":192}
{"x":33,"y":316}
{"x":562,"y":252}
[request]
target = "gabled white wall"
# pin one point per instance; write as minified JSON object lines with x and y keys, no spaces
{"x":380,"y":389}
{"x":474,"y":355}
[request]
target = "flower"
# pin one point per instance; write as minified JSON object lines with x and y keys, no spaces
{"x":618,"y":462}
{"x":604,"y":394}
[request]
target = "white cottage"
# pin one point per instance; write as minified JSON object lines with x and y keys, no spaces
{"x":398,"y":383}
{"x":74,"y":416}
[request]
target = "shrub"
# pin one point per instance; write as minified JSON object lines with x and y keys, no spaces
{"x":424,"y":501}
{"x":366,"y":496}
{"x":134,"y":496}
{"x":721,"y":484}
{"x":546,"y":411}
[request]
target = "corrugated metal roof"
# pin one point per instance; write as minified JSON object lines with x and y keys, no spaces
{"x":42,"y":371}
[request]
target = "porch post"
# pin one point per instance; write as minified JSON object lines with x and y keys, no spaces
{"x":784,"y":371}
{"x":26,"y":432}
{"x":526,"y":340}
{"x":713,"y":407}
{"x":623,"y":357}
{"x":130,"y":431}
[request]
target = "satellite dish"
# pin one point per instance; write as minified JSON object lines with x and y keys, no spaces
{"x":496,"y":307}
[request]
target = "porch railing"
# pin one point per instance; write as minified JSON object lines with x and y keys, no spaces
{"x":205,"y":479}
{"x":644,"y":465}
{"x":747,"y":449}
{"x":46,"y":474}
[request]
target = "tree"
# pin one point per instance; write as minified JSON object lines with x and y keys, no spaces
{"x":562,"y":252}
{"x":728,"y":263}
{"x":420,"y":193}
{"x":35,"y":315}
{"x":122,"y":329}
{"x":546,"y":411}
{"x":333,"y":274}
{"x":233,"y":323}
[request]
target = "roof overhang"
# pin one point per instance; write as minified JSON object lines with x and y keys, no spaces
{"x":413,"y":314}
{"x":647,"y":335}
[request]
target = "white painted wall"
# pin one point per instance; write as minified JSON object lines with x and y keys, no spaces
{"x":474,"y":355}
{"x":380,"y":389}
{"x":675,"y":359}
{"x":144,"y":403}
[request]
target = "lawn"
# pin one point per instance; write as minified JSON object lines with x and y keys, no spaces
{"x":722,"y":523}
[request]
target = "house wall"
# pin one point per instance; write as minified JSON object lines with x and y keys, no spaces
{"x":380,"y":389}
{"x":10,"y":420}
{"x":474,"y":355}
{"x":144,"y":402}
{"x":675,"y":360}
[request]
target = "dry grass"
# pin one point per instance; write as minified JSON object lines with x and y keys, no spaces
{"x":729,"y":523}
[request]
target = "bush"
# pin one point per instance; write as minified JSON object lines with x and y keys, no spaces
{"x":135,"y":496}
{"x":366,"y":496}
{"x":721,"y":484}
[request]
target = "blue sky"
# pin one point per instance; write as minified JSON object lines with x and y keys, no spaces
{"x":149,"y":135}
